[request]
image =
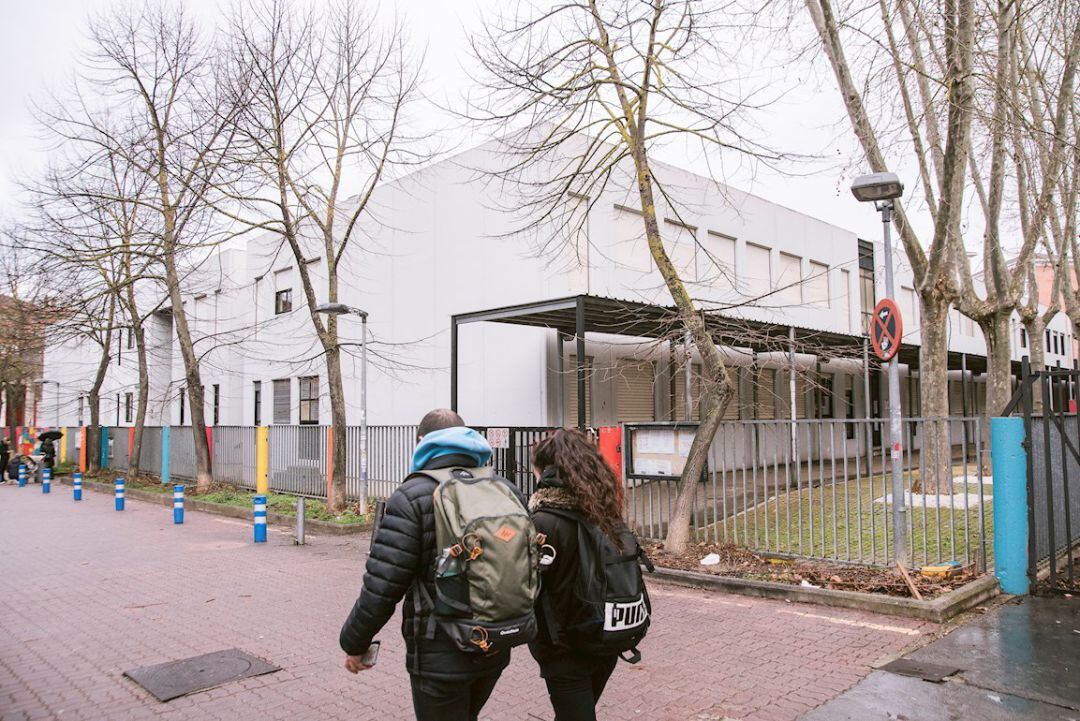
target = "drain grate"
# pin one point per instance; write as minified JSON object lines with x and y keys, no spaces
{"x":166,"y":681}
{"x":934,"y":672}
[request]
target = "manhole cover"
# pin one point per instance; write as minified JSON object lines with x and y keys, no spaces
{"x":920,"y":669}
{"x":174,"y":679}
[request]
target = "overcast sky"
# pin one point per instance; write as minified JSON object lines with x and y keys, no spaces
{"x":39,"y":42}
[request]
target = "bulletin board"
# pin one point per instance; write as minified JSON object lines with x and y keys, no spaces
{"x":661,"y":451}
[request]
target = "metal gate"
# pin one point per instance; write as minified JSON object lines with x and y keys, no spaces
{"x":512,"y":452}
{"x":1052,"y":442}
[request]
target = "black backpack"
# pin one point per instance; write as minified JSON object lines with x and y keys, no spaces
{"x":615,"y":610}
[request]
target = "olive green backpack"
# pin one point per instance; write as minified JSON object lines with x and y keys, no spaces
{"x":487,"y":562}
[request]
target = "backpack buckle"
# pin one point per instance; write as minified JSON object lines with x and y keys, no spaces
{"x":476,"y":550}
{"x":479,"y":637}
{"x":455,"y":550}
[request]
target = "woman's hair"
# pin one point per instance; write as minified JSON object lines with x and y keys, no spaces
{"x":577,"y":462}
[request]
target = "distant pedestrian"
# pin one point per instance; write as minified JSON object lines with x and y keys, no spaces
{"x":5,"y":458}
{"x":593,"y":604}
{"x":469,"y":577}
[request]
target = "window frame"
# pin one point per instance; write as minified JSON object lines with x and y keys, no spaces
{"x":308,"y":404}
{"x":283,"y":302}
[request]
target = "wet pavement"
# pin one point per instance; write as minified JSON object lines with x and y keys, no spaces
{"x":1021,"y":660}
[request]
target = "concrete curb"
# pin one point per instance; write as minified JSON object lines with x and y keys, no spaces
{"x":937,"y":610}
{"x":219,"y":509}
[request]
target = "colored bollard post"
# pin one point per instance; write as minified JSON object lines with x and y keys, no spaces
{"x":260,"y":519}
{"x":46,"y":480}
{"x":1009,"y":461}
{"x":119,"y":494}
{"x":178,"y":504}
{"x":22,"y":475}
{"x":76,"y":486}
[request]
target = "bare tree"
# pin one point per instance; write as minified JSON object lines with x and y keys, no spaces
{"x":600,"y":85}
{"x":325,"y":93}
{"x":88,"y":213}
{"x":945,"y":105}
{"x":152,"y":97}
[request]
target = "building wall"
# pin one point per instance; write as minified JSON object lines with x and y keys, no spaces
{"x":438,"y":244}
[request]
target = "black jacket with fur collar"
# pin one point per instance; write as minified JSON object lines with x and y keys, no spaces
{"x":558,"y":579}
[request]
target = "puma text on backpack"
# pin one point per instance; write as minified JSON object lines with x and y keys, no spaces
{"x":615,"y":609}
{"x":487,"y":562}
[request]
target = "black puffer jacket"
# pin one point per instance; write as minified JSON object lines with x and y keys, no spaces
{"x":404,"y":551}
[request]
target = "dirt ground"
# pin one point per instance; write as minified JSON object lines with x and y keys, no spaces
{"x":738,"y":562}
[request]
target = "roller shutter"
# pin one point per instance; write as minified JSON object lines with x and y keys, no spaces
{"x":634,"y":391}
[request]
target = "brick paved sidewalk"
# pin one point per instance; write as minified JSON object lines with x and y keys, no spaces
{"x":86,"y":592}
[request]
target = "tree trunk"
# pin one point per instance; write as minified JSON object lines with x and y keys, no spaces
{"x":336,"y":389}
{"x":1036,"y":328}
{"x":716,"y":379}
{"x":144,"y":389}
{"x":203,"y":470}
{"x":934,"y":379}
{"x":997,"y":332}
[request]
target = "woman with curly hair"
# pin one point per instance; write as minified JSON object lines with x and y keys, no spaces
{"x":576,"y":490}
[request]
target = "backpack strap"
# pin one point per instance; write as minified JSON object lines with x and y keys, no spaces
{"x":633,"y":658}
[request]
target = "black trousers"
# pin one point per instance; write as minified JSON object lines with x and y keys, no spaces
{"x":451,"y":700}
{"x":575,"y":684}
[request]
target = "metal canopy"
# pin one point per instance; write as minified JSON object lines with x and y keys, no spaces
{"x":575,"y":316}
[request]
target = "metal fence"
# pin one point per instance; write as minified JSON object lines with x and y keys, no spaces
{"x":833,"y":503}
{"x":390,"y":450}
{"x":234,"y":455}
{"x":1055,"y":490}
{"x":119,"y":448}
{"x":182,"y":464}
{"x":298,"y":460}
{"x":150,"y":453}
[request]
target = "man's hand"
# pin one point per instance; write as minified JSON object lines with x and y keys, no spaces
{"x":354,"y":664}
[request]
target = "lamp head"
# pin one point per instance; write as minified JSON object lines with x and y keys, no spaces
{"x":878,"y":186}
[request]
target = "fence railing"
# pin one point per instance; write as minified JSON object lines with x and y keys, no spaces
{"x":834,"y":502}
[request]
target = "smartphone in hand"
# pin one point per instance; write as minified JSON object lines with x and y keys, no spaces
{"x":371,"y":656}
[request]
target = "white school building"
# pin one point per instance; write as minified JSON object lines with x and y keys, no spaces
{"x":438,"y":245}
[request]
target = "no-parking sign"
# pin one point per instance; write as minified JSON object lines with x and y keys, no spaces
{"x":886,"y":329}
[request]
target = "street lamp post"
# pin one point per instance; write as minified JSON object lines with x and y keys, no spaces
{"x":882,"y":189}
{"x":342,"y":309}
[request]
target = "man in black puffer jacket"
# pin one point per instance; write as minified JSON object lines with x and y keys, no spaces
{"x":447,"y":685}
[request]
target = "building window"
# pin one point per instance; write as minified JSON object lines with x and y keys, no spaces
{"x":131,"y":338}
{"x":183,"y":408}
{"x":217,"y":404}
{"x":258,"y":403}
{"x":129,"y":401}
{"x":867,"y":294}
{"x":282,"y":401}
{"x":81,"y":410}
{"x":283,"y":301}
{"x":309,"y":400}
{"x":1049,"y":344}
{"x":117,"y":408}
{"x":1023,"y":338}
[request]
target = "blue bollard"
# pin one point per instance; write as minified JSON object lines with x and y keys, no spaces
{"x":76,"y":486}
{"x":178,"y":504}
{"x":260,"y":519}
{"x":46,"y":480}
{"x":22,"y":475}
{"x":1009,"y":460}
{"x":119,"y":494}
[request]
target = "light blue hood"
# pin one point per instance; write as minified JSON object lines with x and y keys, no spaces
{"x":458,"y":440}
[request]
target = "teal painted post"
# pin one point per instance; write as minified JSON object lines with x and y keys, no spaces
{"x":165,"y":454}
{"x":104,"y":447}
{"x":1009,"y":460}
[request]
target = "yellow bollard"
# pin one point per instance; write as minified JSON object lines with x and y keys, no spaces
{"x":262,"y":460}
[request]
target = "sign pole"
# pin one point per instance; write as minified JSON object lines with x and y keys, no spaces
{"x":899,"y":504}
